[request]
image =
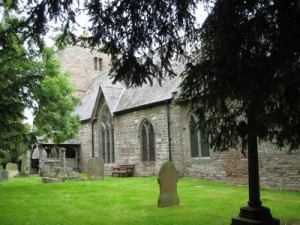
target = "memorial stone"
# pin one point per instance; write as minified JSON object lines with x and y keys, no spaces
{"x":167,"y":180}
{"x":24,"y":165}
{"x":11,"y":166}
{"x":95,"y":168}
{"x":3,"y":175}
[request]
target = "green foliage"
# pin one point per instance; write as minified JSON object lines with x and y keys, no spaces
{"x":13,"y":143}
{"x":19,"y":74}
{"x":248,"y":64}
{"x":55,"y":104}
{"x":248,"y":69}
{"x":24,"y":75}
{"x":131,"y":201}
{"x":130,"y":31}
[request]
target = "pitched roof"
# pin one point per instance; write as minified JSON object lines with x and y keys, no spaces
{"x":88,"y":101}
{"x":145,"y":95}
{"x":120,"y":99}
{"x":42,"y":141}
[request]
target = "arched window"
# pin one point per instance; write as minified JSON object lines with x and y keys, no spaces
{"x":199,"y":140}
{"x":95,"y":63}
{"x":147,"y":141}
{"x":107,"y":136}
{"x":100,"y":63}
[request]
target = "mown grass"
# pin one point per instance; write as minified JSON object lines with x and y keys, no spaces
{"x":131,"y":201}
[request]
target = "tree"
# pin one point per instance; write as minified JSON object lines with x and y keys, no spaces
{"x":30,"y":78}
{"x":129,"y":31}
{"x":245,"y":81}
{"x":55,"y":103}
{"x":20,"y":72}
{"x":14,"y":144}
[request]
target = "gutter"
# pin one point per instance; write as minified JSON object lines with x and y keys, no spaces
{"x":142,"y":107}
{"x":93,"y":145}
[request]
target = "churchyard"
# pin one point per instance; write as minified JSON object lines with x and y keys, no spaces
{"x":132,"y":200}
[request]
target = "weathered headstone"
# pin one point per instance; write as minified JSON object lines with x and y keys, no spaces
{"x":11,"y":166}
{"x":24,"y":165}
{"x":167,"y":180}
{"x":1,"y":167}
{"x":4,"y":175}
{"x":95,"y":168}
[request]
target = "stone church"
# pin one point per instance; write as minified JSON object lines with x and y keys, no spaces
{"x":145,"y":127}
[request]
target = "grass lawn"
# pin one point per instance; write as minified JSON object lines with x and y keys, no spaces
{"x":132,"y":201}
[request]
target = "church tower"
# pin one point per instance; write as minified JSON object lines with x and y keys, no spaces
{"x":84,"y":64}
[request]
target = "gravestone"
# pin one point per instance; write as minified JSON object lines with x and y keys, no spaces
{"x":11,"y":166}
{"x":167,"y":180}
{"x":95,"y":168}
{"x":3,"y":175}
{"x":24,"y":165}
{"x":1,"y":167}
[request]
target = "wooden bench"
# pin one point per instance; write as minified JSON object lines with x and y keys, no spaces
{"x":123,"y":170}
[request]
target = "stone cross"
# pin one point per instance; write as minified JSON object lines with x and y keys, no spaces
{"x":95,"y":170}
{"x":167,"y":180}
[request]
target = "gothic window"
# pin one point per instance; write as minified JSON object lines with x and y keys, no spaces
{"x":107,"y":136}
{"x":100,"y":63}
{"x":147,"y":141}
{"x":199,"y":140}
{"x":95,"y":63}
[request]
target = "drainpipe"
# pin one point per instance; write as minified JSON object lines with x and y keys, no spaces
{"x":169,"y":132}
{"x":93,"y":146}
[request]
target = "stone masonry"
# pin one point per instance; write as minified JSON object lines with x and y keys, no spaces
{"x":278,"y":169}
{"x":80,"y":63}
{"x":128,"y":143}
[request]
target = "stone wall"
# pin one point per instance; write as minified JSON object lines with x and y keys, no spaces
{"x":227,"y":167}
{"x":127,"y":139}
{"x":177,"y":141}
{"x":279,"y":169}
{"x":85,"y":139}
{"x":80,"y":63}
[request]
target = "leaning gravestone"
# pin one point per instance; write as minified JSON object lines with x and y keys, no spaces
{"x":167,"y":180}
{"x":95,"y":168}
{"x":3,"y":175}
